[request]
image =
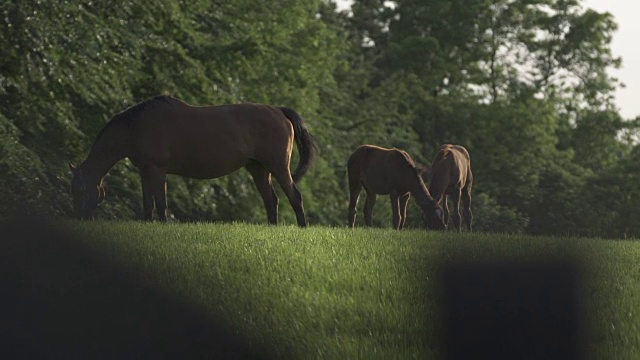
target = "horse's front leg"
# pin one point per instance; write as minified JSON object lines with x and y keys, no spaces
{"x":404,"y":200}
{"x":368,"y":208}
{"x":147,"y":196}
{"x":160,"y":194}
{"x":396,"y":218}
{"x":156,"y":179}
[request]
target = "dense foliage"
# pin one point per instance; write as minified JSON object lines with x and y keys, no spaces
{"x":523,"y":84}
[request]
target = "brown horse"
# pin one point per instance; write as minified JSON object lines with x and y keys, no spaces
{"x":389,"y":171}
{"x":164,"y":135}
{"x":450,"y":174}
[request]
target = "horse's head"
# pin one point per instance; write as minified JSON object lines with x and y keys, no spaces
{"x":86,"y":197}
{"x":434,"y":219}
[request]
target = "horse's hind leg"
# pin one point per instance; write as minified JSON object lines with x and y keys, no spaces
{"x":445,"y":207}
{"x":355,"y":186}
{"x":293,"y":194}
{"x":466,"y":205}
{"x":354,"y":196}
{"x":456,"y":208}
{"x":262,"y":179}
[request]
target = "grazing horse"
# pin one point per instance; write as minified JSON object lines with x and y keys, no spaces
{"x":450,"y":174}
{"x":389,"y":171}
{"x":164,"y":135}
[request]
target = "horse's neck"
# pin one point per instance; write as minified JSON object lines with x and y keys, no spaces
{"x":96,"y":166}
{"x":438,"y":185}
{"x":421,"y":194}
{"x":105,"y":153}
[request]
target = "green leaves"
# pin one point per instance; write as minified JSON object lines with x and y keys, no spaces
{"x":522,"y":84}
{"x":68,"y":67}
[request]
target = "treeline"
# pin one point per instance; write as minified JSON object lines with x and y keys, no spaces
{"x":522,"y":84}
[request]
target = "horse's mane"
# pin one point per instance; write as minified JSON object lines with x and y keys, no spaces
{"x":125,"y":117}
{"x":407,"y":157}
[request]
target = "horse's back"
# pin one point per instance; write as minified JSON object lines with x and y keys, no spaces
{"x":360,"y":159}
{"x":366,"y":157}
{"x":454,"y":163}
{"x":462,"y":151}
{"x":209,"y":141}
{"x":463,"y":160}
{"x":378,"y":167}
{"x":179,"y":118}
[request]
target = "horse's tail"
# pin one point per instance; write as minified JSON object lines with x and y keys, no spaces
{"x":305,"y":141}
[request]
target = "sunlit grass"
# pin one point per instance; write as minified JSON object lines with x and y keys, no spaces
{"x":368,"y":293}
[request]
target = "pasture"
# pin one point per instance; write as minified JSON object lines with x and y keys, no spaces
{"x":327,"y":292}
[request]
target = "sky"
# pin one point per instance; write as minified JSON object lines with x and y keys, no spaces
{"x":625,"y":44}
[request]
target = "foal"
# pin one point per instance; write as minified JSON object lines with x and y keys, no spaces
{"x":450,"y":174}
{"x":389,"y":171}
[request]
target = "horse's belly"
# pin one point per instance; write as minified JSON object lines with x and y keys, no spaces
{"x":206,"y":168}
{"x":200,"y":173}
{"x":376,"y":186}
{"x":376,"y":181}
{"x":377,"y":190}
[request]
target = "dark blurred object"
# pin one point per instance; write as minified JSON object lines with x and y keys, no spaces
{"x":512,"y":310}
{"x":62,"y":300}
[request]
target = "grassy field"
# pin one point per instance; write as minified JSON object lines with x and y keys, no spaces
{"x":340,"y":293}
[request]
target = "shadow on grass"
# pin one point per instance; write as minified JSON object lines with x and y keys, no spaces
{"x":62,"y":300}
{"x":507,"y":309}
{"x":511,"y":311}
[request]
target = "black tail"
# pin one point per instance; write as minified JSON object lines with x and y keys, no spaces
{"x":306,"y":144}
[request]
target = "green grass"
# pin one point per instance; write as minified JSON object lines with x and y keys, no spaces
{"x":364,"y":293}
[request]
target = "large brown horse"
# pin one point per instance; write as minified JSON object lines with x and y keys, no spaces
{"x":389,"y":171}
{"x":450,"y":174}
{"x":164,"y":135}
